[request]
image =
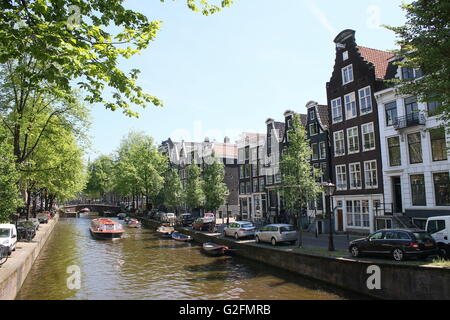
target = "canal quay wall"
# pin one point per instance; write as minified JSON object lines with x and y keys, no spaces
{"x":398,"y":281}
{"x":14,"y":272}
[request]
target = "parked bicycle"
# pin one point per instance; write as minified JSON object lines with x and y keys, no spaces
{"x":4,"y":254}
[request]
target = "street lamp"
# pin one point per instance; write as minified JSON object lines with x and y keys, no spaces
{"x":329,"y":191}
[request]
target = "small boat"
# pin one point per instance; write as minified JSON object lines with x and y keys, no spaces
{"x":106,"y":229}
{"x":165,"y":230}
{"x":181,"y":237}
{"x":122,"y":216}
{"x":85,"y":210}
{"x":214,"y":249}
{"x":133,"y":223}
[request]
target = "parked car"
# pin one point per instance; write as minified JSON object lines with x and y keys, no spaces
{"x":8,"y":237}
{"x":204,"y":224}
{"x":169,"y":217}
{"x":186,"y":219}
{"x":240,"y":229}
{"x":396,"y":243}
{"x":42,"y":217}
{"x":439,"y":228}
{"x":277,"y":233}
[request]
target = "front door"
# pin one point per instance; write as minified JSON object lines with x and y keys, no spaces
{"x":340,"y":217}
{"x":397,"y":195}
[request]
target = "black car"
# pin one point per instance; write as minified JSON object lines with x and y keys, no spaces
{"x":397,"y":243}
{"x":186,"y":220}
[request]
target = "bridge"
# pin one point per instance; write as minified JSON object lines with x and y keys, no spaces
{"x":101,"y":209}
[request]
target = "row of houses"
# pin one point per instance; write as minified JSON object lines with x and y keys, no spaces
{"x":386,"y":153}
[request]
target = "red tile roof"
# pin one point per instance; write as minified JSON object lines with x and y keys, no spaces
{"x":379,"y":58}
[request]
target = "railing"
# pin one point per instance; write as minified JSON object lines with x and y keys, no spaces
{"x":410,"y":120}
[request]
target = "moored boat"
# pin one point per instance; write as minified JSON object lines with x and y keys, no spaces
{"x":214,"y":249}
{"x":106,"y":229}
{"x":133,"y":223}
{"x":165,"y":230}
{"x":181,"y":237}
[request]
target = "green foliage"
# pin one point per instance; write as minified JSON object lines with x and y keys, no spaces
{"x":172,"y":192}
{"x":425,"y":45}
{"x":9,"y":193}
{"x":100,"y":177}
{"x":215,"y":190}
{"x":195,"y":196}
{"x":298,"y":176}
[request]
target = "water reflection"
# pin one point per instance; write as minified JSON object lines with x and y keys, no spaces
{"x":142,"y":265}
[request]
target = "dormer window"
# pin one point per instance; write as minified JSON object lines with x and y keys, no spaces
{"x":347,"y":74}
{"x":312,"y":115}
{"x":345,"y":55}
{"x":411,"y":74}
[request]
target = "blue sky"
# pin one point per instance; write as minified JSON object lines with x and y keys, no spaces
{"x":228,"y":73}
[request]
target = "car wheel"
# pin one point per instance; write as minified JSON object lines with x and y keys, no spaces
{"x":236,"y":236}
{"x":274,"y":242}
{"x":354,"y":250}
{"x":444,"y":252}
{"x":398,"y":254}
{"x":257,"y":239}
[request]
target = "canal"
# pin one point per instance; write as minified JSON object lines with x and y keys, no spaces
{"x":143,"y":265}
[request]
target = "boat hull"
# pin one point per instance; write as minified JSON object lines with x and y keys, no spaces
{"x":106,"y":235}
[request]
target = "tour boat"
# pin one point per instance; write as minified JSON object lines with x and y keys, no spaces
{"x":165,"y":230}
{"x":106,"y":229}
{"x":215,"y":249}
{"x":181,"y":237}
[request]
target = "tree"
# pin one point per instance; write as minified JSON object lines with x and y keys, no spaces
{"x":195,"y":196}
{"x":100,"y":179}
{"x":172,"y":192}
{"x":60,"y":45}
{"x":425,"y":46}
{"x":9,"y":193}
{"x":215,"y":190}
{"x":298,"y":176}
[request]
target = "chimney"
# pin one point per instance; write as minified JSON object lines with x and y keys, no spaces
{"x":226,"y":140}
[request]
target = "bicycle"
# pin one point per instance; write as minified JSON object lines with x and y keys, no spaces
{"x":4,"y":254}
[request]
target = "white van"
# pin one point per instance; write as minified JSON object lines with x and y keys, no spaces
{"x":439,"y":228}
{"x":8,"y":236}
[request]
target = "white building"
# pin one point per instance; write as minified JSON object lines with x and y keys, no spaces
{"x":414,"y":156}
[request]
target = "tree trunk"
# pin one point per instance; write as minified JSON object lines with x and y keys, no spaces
{"x":28,"y":203}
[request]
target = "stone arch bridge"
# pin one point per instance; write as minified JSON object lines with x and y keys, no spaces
{"x":102,"y":209}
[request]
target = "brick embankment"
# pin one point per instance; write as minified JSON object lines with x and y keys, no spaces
{"x":14,"y":272}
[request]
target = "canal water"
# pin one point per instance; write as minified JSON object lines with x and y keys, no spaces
{"x":143,"y":265}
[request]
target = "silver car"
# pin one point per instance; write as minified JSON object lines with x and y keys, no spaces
{"x":240,"y":229}
{"x":277,"y":233}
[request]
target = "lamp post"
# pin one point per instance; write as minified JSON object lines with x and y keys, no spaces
{"x":329,"y":191}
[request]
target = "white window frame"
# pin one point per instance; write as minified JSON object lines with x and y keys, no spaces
{"x":345,"y":55}
{"x":351,"y":105}
{"x":367,"y":98}
{"x":336,"y":107}
{"x":318,"y":151}
{"x":355,"y":173}
{"x":339,"y":175}
{"x":349,"y":137}
{"x":363,"y":128}
{"x":368,"y":174}
{"x":312,"y":115}
{"x":311,"y":126}
{"x":345,"y":71}
{"x":323,"y":147}
{"x":336,"y":134}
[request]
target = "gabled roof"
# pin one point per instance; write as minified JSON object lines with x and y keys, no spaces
{"x":322,"y":112}
{"x":380,"y":60}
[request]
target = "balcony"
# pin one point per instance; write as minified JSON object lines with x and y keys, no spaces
{"x":410,"y":120}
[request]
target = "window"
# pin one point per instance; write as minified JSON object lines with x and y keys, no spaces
{"x":355,"y":176}
{"x":336,"y":108}
{"x":442,"y":188}
{"x":241,"y":172}
{"x":248,"y":188}
{"x":345,"y":55}
{"x":353,"y":140}
{"x":313,"y":129}
{"x":278,"y":178}
{"x":358,"y":216}
{"x":242,"y":188}
{"x":371,"y":174}
{"x":247,"y":153}
{"x":395,"y":159}
{"x":339,"y":143}
{"x":391,"y":113}
{"x":341,"y":177}
{"x":255,"y":185}
{"x":415,"y":148}
{"x":269,"y":180}
{"x":241,"y":155}
{"x":368,"y":135}
{"x":350,"y":106}
{"x":407,"y":73}
{"x":365,"y":100}
{"x":433,"y":108}
{"x":247,"y":171}
{"x":435,"y":226}
{"x":255,"y":170}
{"x":315,"y":151}
{"x":254,"y":155}
{"x":262,"y":184}
{"x":312,"y":115}
{"x":324,"y":168}
{"x":411,"y":108}
{"x":438,"y":144}
{"x":323,"y":150}
{"x":365,"y":213}
{"x":418,"y":190}
{"x":347,"y":74}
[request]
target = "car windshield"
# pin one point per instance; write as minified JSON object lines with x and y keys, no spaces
{"x":287,"y":229}
{"x":4,"y":233}
{"x":423,"y":236}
